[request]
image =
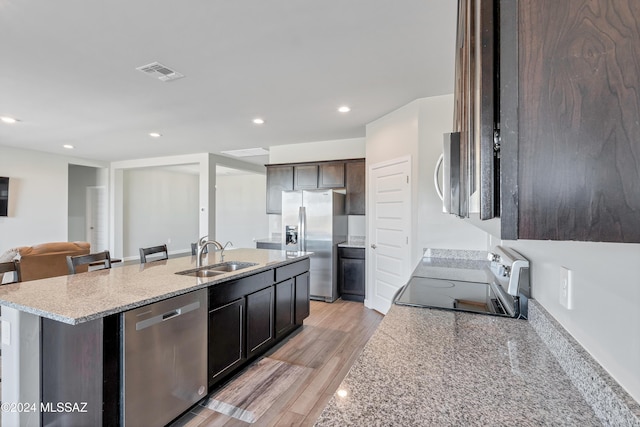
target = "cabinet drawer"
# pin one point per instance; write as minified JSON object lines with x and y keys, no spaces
{"x":357,"y":253}
{"x":290,"y":270}
{"x":229,"y":291}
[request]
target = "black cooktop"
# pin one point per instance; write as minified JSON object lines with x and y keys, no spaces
{"x":447,"y":294}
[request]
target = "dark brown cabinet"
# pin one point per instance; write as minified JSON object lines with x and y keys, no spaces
{"x":285,"y":300}
{"x":351,"y":273}
{"x":331,"y":175}
{"x":302,"y":293}
{"x":578,"y":76}
{"x":355,"y":185}
{"x":250,"y":315}
{"x":561,"y":116}
{"x":305,"y":177}
{"x":279,"y":179}
{"x":226,"y":338}
{"x":348,"y":174}
{"x":260,"y":315}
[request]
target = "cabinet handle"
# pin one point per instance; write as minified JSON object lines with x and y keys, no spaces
{"x":373,"y":246}
{"x":241,"y":335}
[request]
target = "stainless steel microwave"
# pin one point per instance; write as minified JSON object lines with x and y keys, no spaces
{"x":470,"y":181}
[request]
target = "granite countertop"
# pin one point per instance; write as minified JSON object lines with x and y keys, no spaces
{"x":87,"y":296}
{"x":435,"y":367}
{"x":353,"y":242}
{"x":427,"y":366}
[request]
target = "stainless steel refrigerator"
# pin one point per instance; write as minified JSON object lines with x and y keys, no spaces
{"x":314,"y":221}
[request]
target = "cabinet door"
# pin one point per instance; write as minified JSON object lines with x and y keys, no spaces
{"x":226,"y":339}
{"x":279,"y":179}
{"x":305,"y":177}
{"x":351,"y":278}
{"x":331,"y":175}
{"x":302,"y":297}
{"x":578,"y":133}
{"x":284,"y":307}
{"x":259,"y":321}
{"x":355,"y":200}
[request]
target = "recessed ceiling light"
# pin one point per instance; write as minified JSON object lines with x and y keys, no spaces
{"x":342,"y":393}
{"x":258,"y":121}
{"x":344,"y":109}
{"x":155,"y":135}
{"x":68,"y":146}
{"x":9,"y":120}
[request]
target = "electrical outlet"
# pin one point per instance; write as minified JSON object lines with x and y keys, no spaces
{"x":566,"y":288}
{"x":169,"y":241}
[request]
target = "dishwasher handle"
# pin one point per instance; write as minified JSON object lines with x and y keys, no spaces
{"x":172,"y":314}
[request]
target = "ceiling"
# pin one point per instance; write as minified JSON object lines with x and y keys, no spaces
{"x":68,"y":71}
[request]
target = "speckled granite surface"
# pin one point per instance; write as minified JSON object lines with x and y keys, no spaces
{"x":613,"y":405}
{"x":468,"y":266}
{"x":455,"y":254}
{"x":445,"y":368}
{"x":88,"y":296}
{"x":353,"y":242}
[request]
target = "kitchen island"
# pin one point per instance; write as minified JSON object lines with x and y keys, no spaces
{"x":63,"y":336}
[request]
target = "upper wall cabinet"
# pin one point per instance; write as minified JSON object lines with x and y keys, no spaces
{"x":279,"y":179}
{"x":565,"y":111}
{"x":355,"y":200}
{"x":578,"y":103}
{"x":475,"y":117}
{"x":331,"y":175}
{"x":349,"y":174}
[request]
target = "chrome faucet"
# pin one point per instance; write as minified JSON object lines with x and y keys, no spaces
{"x":225,"y":247}
{"x":203,"y":244}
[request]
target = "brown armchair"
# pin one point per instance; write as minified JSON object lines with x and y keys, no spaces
{"x":49,"y":259}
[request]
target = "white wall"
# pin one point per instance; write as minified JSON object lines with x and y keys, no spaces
{"x":240,"y":209}
{"x":38,"y":196}
{"x":339,"y":149}
{"x":205,"y":163}
{"x":435,"y":228}
{"x":605,"y":319}
{"x":416,"y":130}
{"x":159,"y":206}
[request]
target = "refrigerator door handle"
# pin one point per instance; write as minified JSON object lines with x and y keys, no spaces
{"x":302,"y":227}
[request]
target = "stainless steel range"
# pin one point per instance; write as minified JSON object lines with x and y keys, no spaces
{"x":505,"y":292}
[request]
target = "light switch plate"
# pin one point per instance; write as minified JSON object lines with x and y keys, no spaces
{"x":566,"y":288}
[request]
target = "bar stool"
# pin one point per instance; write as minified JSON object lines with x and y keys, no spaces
{"x":90,"y":260}
{"x":11,"y":267}
{"x":162,"y":249}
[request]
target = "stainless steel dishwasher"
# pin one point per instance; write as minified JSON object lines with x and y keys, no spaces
{"x":164,"y":359}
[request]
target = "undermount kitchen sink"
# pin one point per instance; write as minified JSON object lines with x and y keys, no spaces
{"x":217,"y":269}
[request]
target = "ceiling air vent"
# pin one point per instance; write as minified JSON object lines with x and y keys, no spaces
{"x":159,"y":71}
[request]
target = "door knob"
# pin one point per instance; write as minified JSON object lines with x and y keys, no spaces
{"x":373,"y":246}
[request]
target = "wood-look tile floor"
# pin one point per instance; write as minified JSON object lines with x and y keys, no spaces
{"x":301,"y":374}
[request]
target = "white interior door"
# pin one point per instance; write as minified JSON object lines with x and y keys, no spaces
{"x":389,"y":249}
{"x":96,"y":218}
